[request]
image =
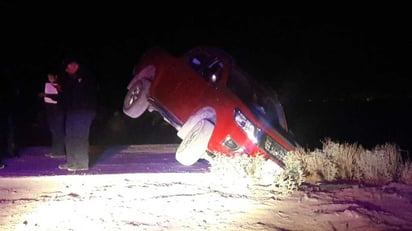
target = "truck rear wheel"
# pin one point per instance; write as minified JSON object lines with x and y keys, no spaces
{"x":135,"y":102}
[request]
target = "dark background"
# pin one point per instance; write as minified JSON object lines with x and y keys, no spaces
{"x":343,"y":75}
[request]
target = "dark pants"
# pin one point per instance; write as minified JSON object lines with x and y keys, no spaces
{"x":78,"y":125}
{"x":55,"y":119}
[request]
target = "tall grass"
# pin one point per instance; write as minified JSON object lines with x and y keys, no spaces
{"x":352,"y":162}
{"x":334,"y":162}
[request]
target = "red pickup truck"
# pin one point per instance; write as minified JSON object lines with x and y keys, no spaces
{"x":215,"y":106}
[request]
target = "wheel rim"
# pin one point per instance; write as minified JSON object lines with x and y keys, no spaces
{"x":193,"y":135}
{"x":194,"y":145}
{"x":134,"y":95}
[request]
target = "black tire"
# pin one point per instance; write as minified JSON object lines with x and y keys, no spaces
{"x":135,"y":103}
{"x":194,"y":145}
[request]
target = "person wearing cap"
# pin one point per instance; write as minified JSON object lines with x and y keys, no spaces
{"x":79,"y":99}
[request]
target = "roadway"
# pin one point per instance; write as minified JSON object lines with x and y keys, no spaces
{"x":152,"y":158}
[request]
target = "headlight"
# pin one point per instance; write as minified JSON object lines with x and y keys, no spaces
{"x":247,"y":126}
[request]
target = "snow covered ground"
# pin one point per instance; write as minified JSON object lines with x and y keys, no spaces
{"x":194,"y":200}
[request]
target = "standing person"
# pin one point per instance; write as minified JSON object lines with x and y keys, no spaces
{"x":55,"y":115}
{"x":79,"y":99}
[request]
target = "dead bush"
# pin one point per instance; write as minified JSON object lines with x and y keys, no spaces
{"x":406,"y":173}
{"x":319,"y":166}
{"x":345,"y":161}
{"x":344,"y":157}
{"x":248,"y":171}
{"x":336,"y":161}
{"x":235,"y":173}
{"x":379,"y":165}
{"x":293,"y":175}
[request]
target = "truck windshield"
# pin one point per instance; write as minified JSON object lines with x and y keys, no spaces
{"x":261,"y":100}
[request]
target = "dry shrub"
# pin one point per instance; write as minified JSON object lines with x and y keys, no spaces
{"x":293,"y":175}
{"x":406,"y":173}
{"x":239,"y":166}
{"x":345,"y":161}
{"x":244,"y":170}
{"x":379,"y":165}
{"x":237,"y":172}
{"x":344,"y":157}
{"x":336,"y":161}
{"x":319,"y":166}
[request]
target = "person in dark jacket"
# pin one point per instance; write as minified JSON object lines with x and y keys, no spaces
{"x":55,"y":115}
{"x":79,"y":99}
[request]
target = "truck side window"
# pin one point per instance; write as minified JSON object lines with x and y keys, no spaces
{"x":210,"y":68}
{"x":213,"y":71}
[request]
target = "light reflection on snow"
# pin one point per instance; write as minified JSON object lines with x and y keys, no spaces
{"x":107,"y":202}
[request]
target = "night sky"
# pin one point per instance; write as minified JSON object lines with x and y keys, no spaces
{"x":310,"y":59}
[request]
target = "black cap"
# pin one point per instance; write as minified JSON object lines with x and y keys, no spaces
{"x":69,"y":59}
